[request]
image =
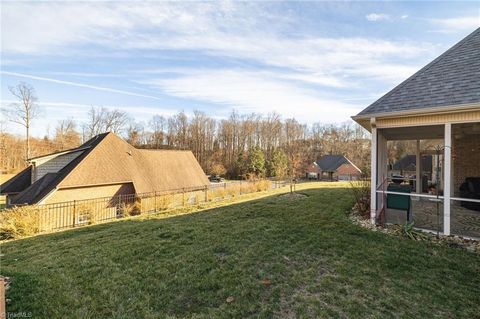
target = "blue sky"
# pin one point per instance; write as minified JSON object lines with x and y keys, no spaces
{"x":315,"y":61}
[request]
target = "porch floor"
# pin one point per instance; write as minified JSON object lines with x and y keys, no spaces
{"x":463,"y":222}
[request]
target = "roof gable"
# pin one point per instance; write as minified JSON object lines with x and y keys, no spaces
{"x":108,"y":159}
{"x":42,"y":187}
{"x":116,"y":161}
{"x":348,"y":169}
{"x":17,"y":183}
{"x":330,"y":163}
{"x":453,"y":79}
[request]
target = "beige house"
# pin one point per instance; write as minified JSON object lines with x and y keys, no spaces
{"x":437,"y":109}
{"x":104,"y":166}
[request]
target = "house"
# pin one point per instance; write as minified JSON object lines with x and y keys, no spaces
{"x":333,"y":167}
{"x":440,"y":105}
{"x":104,"y":166}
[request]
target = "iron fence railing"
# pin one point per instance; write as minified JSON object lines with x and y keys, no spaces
{"x":57,"y":216}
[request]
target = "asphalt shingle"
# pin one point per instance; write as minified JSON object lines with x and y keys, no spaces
{"x":451,"y":79}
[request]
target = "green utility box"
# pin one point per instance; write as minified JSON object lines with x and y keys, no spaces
{"x":401,"y":202}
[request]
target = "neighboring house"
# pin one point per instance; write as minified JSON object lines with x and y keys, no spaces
{"x":407,"y":165}
{"x":104,"y":166}
{"x":333,"y":167}
{"x":441,"y":102}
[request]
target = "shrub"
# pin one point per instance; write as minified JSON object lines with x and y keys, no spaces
{"x":361,"y":193}
{"x":163,"y":202}
{"x":263,"y":185}
{"x":19,"y":222}
{"x":217,"y":193}
{"x":130,"y":209}
{"x":85,"y":214}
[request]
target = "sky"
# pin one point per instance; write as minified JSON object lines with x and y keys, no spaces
{"x":316,"y":61}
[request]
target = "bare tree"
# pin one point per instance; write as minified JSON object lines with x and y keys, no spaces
{"x":102,"y":120}
{"x":24,"y":111}
{"x":157,"y":124}
{"x":94,"y":124}
{"x":115,"y":121}
{"x":66,"y":135}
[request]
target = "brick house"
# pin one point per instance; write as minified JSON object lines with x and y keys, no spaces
{"x":438,"y":110}
{"x":333,"y":167}
{"x":104,"y":166}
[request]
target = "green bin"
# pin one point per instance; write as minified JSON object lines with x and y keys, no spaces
{"x":401,"y":202}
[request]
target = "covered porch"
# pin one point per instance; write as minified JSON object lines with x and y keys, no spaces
{"x":437,"y":183}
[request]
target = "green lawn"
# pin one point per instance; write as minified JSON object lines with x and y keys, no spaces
{"x":276,"y":257}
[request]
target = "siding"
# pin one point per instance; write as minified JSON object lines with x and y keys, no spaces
{"x":431,"y":119}
{"x":80,"y":193}
{"x":53,"y":165}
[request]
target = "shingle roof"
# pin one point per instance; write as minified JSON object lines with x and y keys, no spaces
{"x":450,"y":80}
{"x":330,"y":163}
{"x":18,"y":182}
{"x":408,"y":163}
{"x":38,"y":191}
{"x":109,"y":159}
{"x":115,"y":161}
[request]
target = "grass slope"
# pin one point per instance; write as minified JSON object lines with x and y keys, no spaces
{"x":276,"y":257}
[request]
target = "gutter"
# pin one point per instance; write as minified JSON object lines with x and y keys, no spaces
{"x":423,"y":111}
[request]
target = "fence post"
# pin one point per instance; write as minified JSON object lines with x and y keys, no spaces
{"x":183,"y":197}
{"x":225,"y":185}
{"x":206,"y":193}
{"x":74,"y":212}
{"x":155,"y":201}
{"x":3,"y":312}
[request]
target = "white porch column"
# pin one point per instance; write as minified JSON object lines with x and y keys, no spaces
{"x":418,"y":170}
{"x":447,"y":178}
{"x":373,"y":178}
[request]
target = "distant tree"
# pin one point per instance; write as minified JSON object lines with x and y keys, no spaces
{"x":24,"y":111}
{"x":158,"y":124}
{"x":218,"y":169}
{"x":66,"y":135}
{"x":255,"y":165}
{"x":101,"y":120}
{"x":277,"y":166}
{"x":94,"y":124}
{"x":239,"y":168}
{"x":136,"y":133}
{"x":115,"y":121}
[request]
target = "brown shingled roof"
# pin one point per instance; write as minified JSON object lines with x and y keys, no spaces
{"x":111,"y":160}
{"x":116,"y":161}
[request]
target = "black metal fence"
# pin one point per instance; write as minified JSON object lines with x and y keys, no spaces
{"x":77,"y":213}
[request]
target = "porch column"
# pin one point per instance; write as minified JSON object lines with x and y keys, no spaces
{"x":447,"y":176}
{"x":373,"y":176}
{"x":418,"y":170}
{"x":378,"y":170}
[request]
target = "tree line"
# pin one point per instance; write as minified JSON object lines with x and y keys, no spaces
{"x":240,"y":146}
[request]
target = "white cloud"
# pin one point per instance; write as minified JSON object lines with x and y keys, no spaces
{"x":70,"y":83}
{"x":256,"y":92}
{"x":377,"y":17}
{"x":403,"y":17}
{"x":238,"y":30}
{"x":450,"y":25}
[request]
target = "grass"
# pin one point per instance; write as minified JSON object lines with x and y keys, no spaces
{"x":276,"y":256}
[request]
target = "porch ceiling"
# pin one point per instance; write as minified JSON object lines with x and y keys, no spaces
{"x":414,"y":133}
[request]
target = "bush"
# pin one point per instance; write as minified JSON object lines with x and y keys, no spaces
{"x":130,"y":209}
{"x":19,"y":222}
{"x":263,"y":185}
{"x":361,"y":193}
